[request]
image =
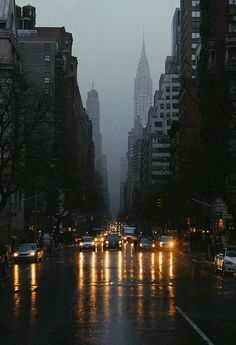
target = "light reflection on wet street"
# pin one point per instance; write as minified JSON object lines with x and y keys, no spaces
{"x":114,"y":297}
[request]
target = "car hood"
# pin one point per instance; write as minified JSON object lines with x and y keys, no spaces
{"x":232,"y":259}
{"x":26,"y":251}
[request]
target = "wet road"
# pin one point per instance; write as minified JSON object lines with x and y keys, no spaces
{"x":111,"y":298}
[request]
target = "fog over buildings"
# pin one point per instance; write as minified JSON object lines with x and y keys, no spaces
{"x":107,"y":39}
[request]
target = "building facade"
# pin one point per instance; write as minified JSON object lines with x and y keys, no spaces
{"x":93,"y":111}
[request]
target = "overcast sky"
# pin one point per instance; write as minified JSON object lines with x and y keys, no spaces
{"x":107,"y":42}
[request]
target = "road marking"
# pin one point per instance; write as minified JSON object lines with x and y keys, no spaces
{"x":195,"y":327}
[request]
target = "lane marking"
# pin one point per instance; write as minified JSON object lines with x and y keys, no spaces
{"x":195,"y":327}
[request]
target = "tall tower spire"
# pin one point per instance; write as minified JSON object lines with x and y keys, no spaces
{"x":142,"y":88}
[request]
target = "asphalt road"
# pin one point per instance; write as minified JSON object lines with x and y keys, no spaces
{"x":111,"y":298}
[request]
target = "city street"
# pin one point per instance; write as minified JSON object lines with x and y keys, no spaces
{"x":116,"y":297}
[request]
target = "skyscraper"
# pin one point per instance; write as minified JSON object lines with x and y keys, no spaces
{"x":142,"y":89}
{"x":93,"y":111}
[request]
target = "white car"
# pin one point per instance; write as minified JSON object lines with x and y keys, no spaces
{"x":225,"y":261}
{"x":28,"y":252}
{"x":87,"y":243}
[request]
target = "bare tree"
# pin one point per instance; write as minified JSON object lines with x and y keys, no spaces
{"x":23,"y":118}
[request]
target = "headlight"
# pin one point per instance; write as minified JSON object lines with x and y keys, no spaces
{"x":81,"y":244}
{"x":161,"y":244}
{"x":93,"y":243}
{"x":107,"y":242}
{"x":32,"y":253}
{"x":141,"y":245}
{"x":153,"y":245}
{"x":15,"y":254}
{"x":171,"y":244}
{"x":120,"y":242}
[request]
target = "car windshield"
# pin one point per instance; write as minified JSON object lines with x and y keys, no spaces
{"x":231,"y":253}
{"x":87,"y":239}
{"x":25,"y":247}
{"x":165,"y":238}
{"x":146,"y":241}
{"x":113,"y":238}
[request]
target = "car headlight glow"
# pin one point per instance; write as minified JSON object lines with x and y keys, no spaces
{"x":161,"y":244}
{"x":15,"y":254}
{"x":107,"y":242}
{"x":81,"y":244}
{"x":171,"y":244}
{"x":32,"y":253}
{"x":153,"y":245}
{"x":93,"y":243}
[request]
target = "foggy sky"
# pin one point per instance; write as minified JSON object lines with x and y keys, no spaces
{"x":107,"y":42}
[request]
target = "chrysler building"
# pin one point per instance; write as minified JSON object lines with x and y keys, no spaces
{"x":142,"y":90}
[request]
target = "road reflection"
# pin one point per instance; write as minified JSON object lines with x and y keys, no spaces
{"x":19,"y":288}
{"x":105,"y":278}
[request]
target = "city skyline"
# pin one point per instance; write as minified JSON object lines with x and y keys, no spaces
{"x":112,"y":69}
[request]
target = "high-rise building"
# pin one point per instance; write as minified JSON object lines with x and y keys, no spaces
{"x":156,"y":144}
{"x":217,"y":89}
{"x":142,"y":104}
{"x":93,"y":111}
{"x":12,"y":216}
{"x":142,"y":89}
{"x":189,"y":138}
{"x":49,"y":63}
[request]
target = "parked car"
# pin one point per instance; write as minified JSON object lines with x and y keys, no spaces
{"x":113,"y":241}
{"x":225,"y":261}
{"x":145,"y":244}
{"x":28,"y":252}
{"x":166,"y":242}
{"x":87,"y":243}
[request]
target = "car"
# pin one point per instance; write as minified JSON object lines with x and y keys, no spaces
{"x":113,"y":241}
{"x":225,"y":261}
{"x":28,"y":252}
{"x":166,"y":242}
{"x":87,"y":243}
{"x":145,"y":244}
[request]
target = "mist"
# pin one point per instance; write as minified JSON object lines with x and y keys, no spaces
{"x":107,"y":42}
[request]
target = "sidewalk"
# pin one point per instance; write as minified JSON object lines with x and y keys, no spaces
{"x":197,"y":256}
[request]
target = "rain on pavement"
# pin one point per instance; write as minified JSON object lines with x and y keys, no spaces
{"x":115,"y":297}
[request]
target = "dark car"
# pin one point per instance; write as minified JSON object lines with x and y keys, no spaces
{"x":145,"y":244}
{"x":113,"y":241}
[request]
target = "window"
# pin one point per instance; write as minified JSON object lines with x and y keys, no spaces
{"x":175,"y":106}
{"x":168,"y":122}
{"x":195,"y":3}
{"x":168,"y":106}
{"x":195,"y":35}
{"x":194,"y":45}
{"x":232,"y":2}
{"x":47,"y":58}
{"x":232,"y":27}
{"x":158,"y":124}
{"x":46,"y":80}
{"x":167,"y":89}
{"x":176,"y":80}
{"x":196,"y":14}
{"x":193,"y":57}
{"x":162,"y":106}
{"x":175,"y":88}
